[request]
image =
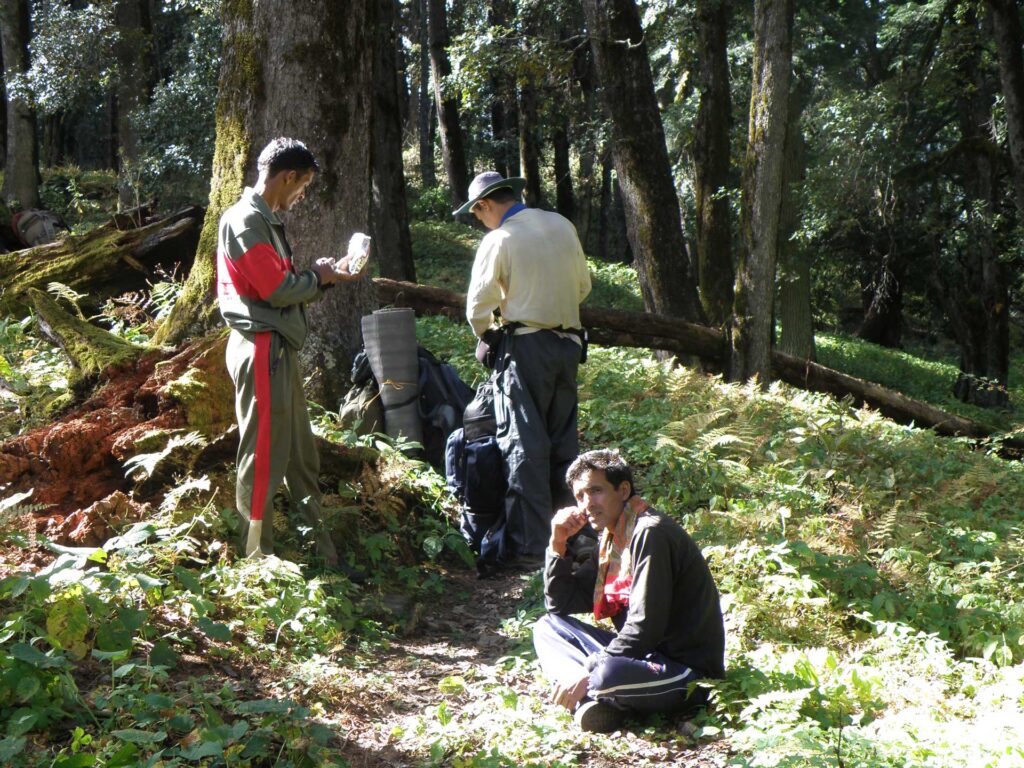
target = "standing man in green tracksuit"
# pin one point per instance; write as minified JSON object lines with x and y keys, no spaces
{"x":262,"y":299}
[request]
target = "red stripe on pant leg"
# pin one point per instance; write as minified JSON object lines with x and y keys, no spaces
{"x":261,"y":464}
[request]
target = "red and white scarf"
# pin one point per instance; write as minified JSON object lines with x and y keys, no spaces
{"x":614,"y":562}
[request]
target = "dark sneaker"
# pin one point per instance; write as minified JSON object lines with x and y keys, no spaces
{"x":598,"y":717}
{"x":525,"y":563}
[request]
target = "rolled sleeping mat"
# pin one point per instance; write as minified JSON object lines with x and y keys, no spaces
{"x":389,"y":337}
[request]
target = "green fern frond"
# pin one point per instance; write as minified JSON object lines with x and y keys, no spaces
{"x":69,"y":294}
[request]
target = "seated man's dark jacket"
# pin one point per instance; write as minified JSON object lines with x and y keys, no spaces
{"x":673,"y":602}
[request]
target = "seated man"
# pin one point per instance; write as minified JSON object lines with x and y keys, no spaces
{"x":650,"y":578}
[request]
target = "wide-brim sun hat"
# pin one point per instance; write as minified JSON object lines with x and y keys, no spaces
{"x":484,"y":184}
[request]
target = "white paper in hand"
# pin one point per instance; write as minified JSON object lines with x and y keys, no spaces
{"x":358,"y":252}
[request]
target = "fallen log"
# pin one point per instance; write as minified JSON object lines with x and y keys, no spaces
{"x":107,"y":261}
{"x":609,"y":327}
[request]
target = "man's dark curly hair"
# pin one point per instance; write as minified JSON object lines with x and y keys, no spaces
{"x":283,"y":154}
{"x":610,"y":462}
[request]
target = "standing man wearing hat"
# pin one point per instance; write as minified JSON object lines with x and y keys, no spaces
{"x":529,"y":277}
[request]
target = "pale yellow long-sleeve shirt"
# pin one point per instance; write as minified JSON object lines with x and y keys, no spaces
{"x":533,"y":269}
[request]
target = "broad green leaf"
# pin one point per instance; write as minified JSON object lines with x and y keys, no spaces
{"x":135,"y":736}
{"x":213,"y":629}
{"x":149,"y":582}
{"x":81,"y":760}
{"x":32,"y":655}
{"x":22,"y":721}
{"x":264,"y":706}
{"x":26,"y":688}
{"x":203,"y":749}
{"x":10,"y":747}
{"x":188,"y":580}
{"x":163,"y":655}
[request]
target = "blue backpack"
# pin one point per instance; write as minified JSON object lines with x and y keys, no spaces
{"x":475,"y":471}
{"x":443,"y":396}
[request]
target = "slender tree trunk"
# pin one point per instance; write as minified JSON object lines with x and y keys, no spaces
{"x":452,"y":148}
{"x":21,"y":174}
{"x":795,"y":312}
{"x":505,"y":142}
{"x":711,"y":163}
{"x":1005,"y":23}
{"x":331,"y":44}
{"x":424,"y":110}
{"x":3,"y":113}
{"x":529,"y":144}
{"x":882,"y":298}
{"x":390,"y":214}
{"x":135,"y":59}
{"x":565,"y":200}
{"x":401,"y":72}
{"x":649,"y":197}
{"x":980,"y":288}
{"x":751,"y":330}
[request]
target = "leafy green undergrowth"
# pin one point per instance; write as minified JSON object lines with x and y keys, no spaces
{"x":115,"y":655}
{"x":870,"y":575}
{"x":915,"y":376}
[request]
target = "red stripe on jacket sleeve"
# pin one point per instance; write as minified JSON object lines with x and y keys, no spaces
{"x":255,"y":274}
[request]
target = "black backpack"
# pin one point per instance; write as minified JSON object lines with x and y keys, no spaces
{"x":443,"y":398}
{"x":475,"y":471}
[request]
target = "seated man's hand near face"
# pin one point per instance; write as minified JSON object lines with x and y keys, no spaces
{"x":566,"y":522}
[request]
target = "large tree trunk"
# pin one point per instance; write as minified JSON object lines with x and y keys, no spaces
{"x":636,"y":329}
{"x":1005,"y":15}
{"x":453,"y":151}
{"x":108,"y":261}
{"x":751,"y":328}
{"x":390,"y":214}
{"x":711,"y":163}
{"x":330,"y":44}
{"x":980,"y":307}
{"x":653,"y":220}
{"x":21,"y":174}
{"x":135,"y":60}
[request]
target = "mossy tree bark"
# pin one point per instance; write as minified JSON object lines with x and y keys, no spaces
{"x":21,"y":172}
{"x":711,"y":162}
{"x":91,"y":350}
{"x":310,"y":75}
{"x":751,"y":325}
{"x":653,"y":221}
{"x":106,"y":261}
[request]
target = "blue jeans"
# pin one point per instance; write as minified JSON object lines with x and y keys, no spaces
{"x":654,"y":683}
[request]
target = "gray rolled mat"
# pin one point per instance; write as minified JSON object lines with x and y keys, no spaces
{"x":389,"y":337}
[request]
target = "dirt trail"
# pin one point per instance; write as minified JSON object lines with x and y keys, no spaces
{"x":460,"y":634}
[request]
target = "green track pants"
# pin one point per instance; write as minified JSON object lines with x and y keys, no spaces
{"x":275,"y":441}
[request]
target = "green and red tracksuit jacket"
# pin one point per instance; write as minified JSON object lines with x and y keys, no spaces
{"x":257,"y":285}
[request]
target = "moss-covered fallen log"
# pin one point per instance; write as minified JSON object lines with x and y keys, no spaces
{"x":638,"y":329}
{"x":107,"y":261}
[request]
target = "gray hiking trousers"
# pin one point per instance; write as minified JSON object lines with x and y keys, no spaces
{"x":536,"y":406}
